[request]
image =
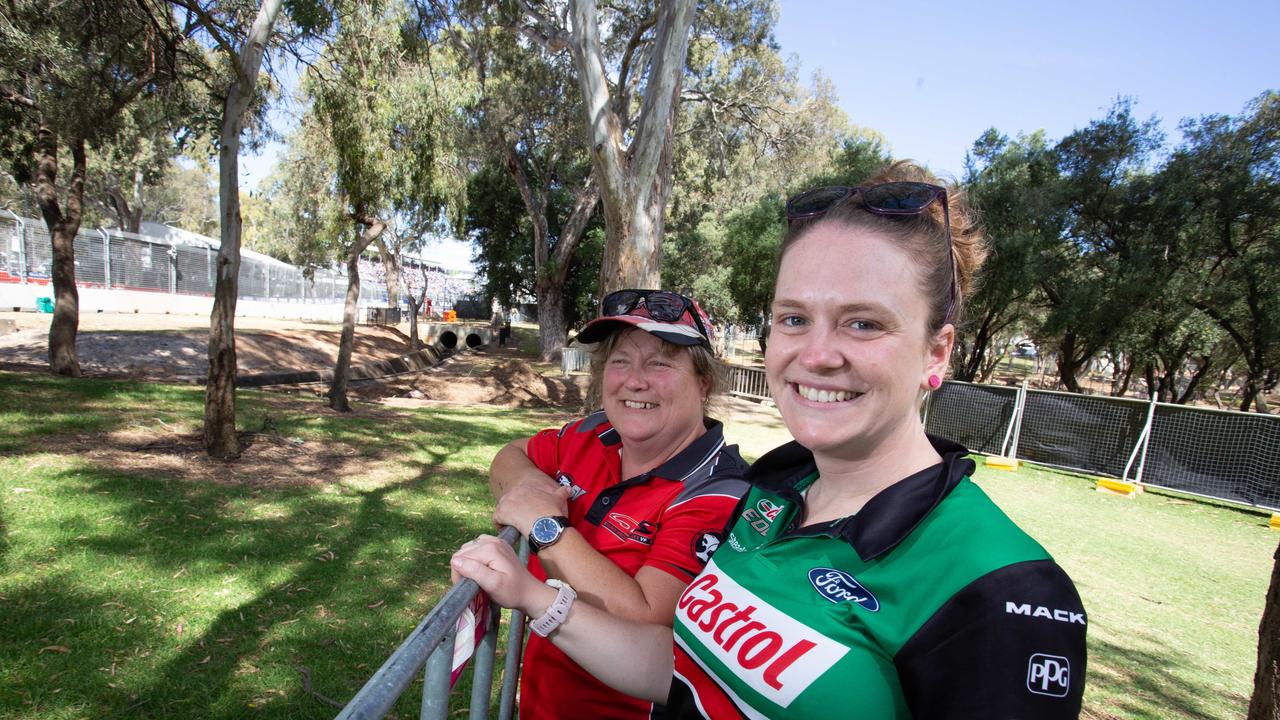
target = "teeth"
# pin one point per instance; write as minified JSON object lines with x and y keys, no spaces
{"x":638,"y":405}
{"x":824,"y":396}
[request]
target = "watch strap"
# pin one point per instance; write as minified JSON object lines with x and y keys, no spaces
{"x":554,"y":617}
{"x":535,"y":545}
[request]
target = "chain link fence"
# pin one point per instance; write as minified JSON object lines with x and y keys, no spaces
{"x":185,"y":263}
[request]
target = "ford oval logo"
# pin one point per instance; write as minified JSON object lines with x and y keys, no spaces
{"x":839,"y":586}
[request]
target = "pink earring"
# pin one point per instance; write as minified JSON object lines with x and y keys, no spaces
{"x":935,"y":382}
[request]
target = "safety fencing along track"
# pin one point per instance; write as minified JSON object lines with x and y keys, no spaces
{"x":1220,"y":454}
{"x":436,"y":643}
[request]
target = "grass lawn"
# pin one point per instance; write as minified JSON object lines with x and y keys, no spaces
{"x":138,"y":579}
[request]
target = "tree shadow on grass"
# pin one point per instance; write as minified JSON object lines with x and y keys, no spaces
{"x":1146,"y":679}
{"x":327,"y":579}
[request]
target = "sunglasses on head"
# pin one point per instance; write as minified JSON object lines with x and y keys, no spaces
{"x":661,"y":305}
{"x":892,"y":199}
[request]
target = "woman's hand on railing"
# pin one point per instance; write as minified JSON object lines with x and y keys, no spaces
{"x":494,"y":566}
{"x":530,"y":500}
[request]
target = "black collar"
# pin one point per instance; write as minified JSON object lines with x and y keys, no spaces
{"x":680,"y":466}
{"x":889,"y":517}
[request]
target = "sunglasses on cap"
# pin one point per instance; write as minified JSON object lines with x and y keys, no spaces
{"x":661,"y":305}
{"x":892,"y":199}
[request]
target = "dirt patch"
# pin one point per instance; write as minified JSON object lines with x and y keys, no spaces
{"x":488,"y":377}
{"x":182,"y":355}
{"x":170,"y":348}
{"x":268,"y":458}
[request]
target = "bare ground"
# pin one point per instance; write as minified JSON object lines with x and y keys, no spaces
{"x":167,"y":348}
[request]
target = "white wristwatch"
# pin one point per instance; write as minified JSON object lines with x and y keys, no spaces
{"x":555,"y":615}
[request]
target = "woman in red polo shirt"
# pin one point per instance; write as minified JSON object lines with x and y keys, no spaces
{"x":625,"y":505}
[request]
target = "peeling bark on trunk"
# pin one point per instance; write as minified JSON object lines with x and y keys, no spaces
{"x":63,"y":226}
{"x":220,"y":388}
{"x":342,"y":370}
{"x":635,"y":180}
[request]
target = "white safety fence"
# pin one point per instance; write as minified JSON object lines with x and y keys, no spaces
{"x":185,"y":264}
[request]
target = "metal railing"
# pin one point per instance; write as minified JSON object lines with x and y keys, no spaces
{"x":748,"y":382}
{"x":574,"y":359}
{"x":743,"y":381}
{"x":433,"y":644}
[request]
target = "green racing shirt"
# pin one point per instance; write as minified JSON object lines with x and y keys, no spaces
{"x":928,"y":603}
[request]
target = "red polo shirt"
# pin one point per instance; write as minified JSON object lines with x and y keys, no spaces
{"x":670,"y":518}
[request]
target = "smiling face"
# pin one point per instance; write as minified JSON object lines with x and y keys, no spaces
{"x":653,"y":399}
{"x":849,"y":351}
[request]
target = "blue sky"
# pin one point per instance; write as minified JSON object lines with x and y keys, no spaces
{"x":932,"y":76}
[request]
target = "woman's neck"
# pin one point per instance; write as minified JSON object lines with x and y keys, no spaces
{"x":640,"y":457}
{"x":845,"y":484}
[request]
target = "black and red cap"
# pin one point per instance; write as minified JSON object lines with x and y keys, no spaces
{"x":666,"y":315}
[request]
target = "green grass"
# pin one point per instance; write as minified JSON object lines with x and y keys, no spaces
{"x":136,"y":594}
{"x":147,"y":593}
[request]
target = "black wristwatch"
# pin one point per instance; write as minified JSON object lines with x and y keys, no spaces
{"x":546,"y":531}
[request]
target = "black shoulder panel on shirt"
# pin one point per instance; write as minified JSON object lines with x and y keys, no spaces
{"x":1009,"y":645}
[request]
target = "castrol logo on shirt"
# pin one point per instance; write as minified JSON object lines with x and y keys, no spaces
{"x":775,"y":654}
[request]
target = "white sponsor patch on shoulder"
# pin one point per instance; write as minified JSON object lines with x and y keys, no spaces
{"x":775,"y":654}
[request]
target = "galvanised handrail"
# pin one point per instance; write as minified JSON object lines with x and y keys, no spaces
{"x":431,"y":645}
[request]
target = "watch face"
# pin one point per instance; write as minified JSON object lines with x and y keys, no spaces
{"x":545,"y":530}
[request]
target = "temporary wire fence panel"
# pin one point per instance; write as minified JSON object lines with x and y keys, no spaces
{"x":1080,"y":432}
{"x":1229,"y":455}
{"x":975,"y":416}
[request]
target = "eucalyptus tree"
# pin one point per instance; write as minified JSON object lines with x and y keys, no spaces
{"x":1230,"y":171}
{"x":527,"y":121}
{"x":623,"y":54}
{"x":747,"y":129}
{"x":1014,"y":186}
{"x":1108,"y":263}
{"x":68,"y":71}
{"x":241,"y":32}
{"x":388,"y":112}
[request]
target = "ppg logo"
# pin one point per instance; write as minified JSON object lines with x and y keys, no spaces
{"x":1048,"y":675}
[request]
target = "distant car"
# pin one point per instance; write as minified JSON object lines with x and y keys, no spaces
{"x":1024,"y":349}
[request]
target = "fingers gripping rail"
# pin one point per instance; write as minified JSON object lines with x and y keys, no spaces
{"x":431,"y":644}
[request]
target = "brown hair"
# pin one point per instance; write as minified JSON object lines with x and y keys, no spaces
{"x":705,"y":366}
{"x":922,"y":236}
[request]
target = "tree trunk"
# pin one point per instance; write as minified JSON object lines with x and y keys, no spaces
{"x":634,"y":180}
{"x":391,"y":269}
{"x":63,"y":227}
{"x":1265,"y":704}
{"x":551,"y":325}
{"x":220,"y":389}
{"x":1120,"y":387}
{"x":341,"y":371}
{"x":633,"y":248}
{"x":1068,"y":364}
{"x":128,"y":216}
{"x":1202,"y":370}
{"x":414,"y":308}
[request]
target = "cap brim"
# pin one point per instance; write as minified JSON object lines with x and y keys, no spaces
{"x":601,"y":328}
